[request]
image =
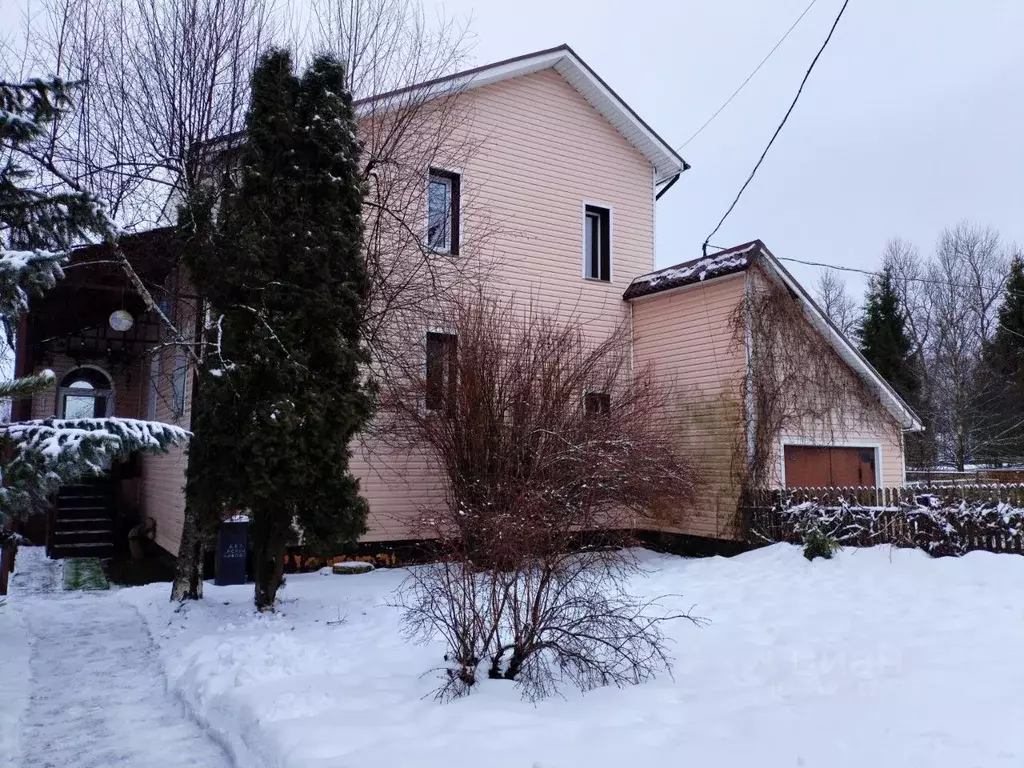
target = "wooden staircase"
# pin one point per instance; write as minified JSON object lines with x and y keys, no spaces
{"x":83,"y":522}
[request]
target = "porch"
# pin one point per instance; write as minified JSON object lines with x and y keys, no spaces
{"x":96,"y":335}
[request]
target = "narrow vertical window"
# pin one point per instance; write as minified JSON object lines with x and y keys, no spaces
{"x":442,"y":349}
{"x":597,"y":403}
{"x":178,"y":383}
{"x":154,"y":382}
{"x":597,"y":253}
{"x":443,"y":200}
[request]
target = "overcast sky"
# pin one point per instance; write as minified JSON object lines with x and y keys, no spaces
{"x":912,"y":120}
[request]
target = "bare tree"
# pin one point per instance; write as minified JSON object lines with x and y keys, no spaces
{"x":909,"y":276}
{"x":966,"y":281}
{"x":838,"y":306}
{"x":159,"y":80}
{"x":551,"y":452}
{"x":391,"y":50}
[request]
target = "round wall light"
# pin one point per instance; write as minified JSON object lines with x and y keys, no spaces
{"x":121,"y":320}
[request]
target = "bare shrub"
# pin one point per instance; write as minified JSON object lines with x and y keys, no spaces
{"x":553,"y":451}
{"x":795,"y":381}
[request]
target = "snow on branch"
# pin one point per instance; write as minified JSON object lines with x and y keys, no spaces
{"x":52,"y":452}
{"x":56,"y":437}
{"x":25,"y":273}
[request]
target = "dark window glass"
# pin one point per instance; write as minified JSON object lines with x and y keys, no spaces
{"x":443,"y":191}
{"x":597,"y":243}
{"x":441,"y":356}
{"x":595,"y":403}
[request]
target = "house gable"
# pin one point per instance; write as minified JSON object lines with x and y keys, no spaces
{"x":740,"y":259}
{"x":562,"y":59}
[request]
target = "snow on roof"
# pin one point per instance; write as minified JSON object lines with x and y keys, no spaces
{"x":723,"y":263}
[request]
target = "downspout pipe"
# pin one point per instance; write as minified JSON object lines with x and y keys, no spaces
{"x":668,"y":186}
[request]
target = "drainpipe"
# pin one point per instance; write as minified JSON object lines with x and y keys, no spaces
{"x":668,"y":186}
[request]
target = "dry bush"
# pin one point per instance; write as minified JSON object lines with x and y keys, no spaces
{"x":552,"y":452}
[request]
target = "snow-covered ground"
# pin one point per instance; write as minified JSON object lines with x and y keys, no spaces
{"x":878,"y":658}
{"x":84,"y":685}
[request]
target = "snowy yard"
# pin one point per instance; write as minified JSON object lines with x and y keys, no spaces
{"x":879,"y":658}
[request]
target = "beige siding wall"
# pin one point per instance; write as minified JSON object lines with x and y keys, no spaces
{"x":857,"y":421}
{"x":540,"y":153}
{"x":689,"y":339}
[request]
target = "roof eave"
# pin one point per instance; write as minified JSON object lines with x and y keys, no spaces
{"x":564,"y":60}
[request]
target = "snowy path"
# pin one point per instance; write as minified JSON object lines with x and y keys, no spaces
{"x":98,"y":696}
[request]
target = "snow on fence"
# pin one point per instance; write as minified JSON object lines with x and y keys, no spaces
{"x":942,"y":520}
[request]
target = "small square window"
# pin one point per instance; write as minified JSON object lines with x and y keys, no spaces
{"x":597,"y":403}
{"x":442,"y":350}
{"x":597,"y":235}
{"x":443,"y":200}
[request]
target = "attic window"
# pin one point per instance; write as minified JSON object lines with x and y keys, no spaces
{"x":597,"y":236}
{"x":443,"y":202}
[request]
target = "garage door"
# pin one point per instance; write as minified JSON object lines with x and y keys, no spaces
{"x":808,"y":466}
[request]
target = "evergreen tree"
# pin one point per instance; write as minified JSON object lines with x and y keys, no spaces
{"x":883,"y":337}
{"x":283,"y":393}
{"x":1004,"y":369}
{"x":38,"y":227}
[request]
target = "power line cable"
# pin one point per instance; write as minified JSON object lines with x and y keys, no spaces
{"x":749,"y":77}
{"x":875,"y":273}
{"x":778,"y":130}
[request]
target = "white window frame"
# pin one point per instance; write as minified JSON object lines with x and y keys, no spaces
{"x":866,"y":445}
{"x":447,"y":250}
{"x":441,"y":331}
{"x":106,"y":392}
{"x":611,"y":241}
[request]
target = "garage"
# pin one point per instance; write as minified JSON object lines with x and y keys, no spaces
{"x":816,"y":465}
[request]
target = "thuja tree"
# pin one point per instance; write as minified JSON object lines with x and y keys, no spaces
{"x":283,"y":391}
{"x":38,"y":227}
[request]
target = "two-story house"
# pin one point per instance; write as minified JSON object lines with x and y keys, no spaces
{"x":574,"y":176}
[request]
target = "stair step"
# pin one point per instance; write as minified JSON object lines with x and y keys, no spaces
{"x":69,"y":526}
{"x":91,"y":498}
{"x":79,"y":537}
{"x":86,"y":513}
{"x":83,"y":550}
{"x":85,"y":521}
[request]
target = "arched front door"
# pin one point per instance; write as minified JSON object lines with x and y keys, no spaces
{"x":85,"y":393}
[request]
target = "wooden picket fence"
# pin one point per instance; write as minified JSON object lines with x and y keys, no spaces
{"x":941,"y":519}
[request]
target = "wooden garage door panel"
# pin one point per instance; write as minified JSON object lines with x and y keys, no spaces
{"x":812,"y":466}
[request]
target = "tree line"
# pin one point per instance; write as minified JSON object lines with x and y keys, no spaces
{"x":947,"y":332}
